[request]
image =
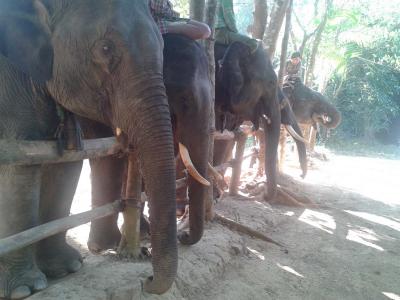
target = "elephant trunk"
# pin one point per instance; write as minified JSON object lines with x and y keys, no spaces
{"x":272,"y":133}
{"x":334,"y":118}
{"x":150,"y":132}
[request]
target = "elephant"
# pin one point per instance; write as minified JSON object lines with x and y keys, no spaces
{"x":189,"y":96}
{"x":188,"y":85}
{"x":312,"y":110}
{"x":246,"y":87}
{"x":101,"y":60}
{"x":310,"y":107}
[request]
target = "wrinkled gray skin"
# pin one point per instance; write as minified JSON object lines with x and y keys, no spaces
{"x":104,"y":58}
{"x":189,"y":95}
{"x":311,"y":107}
{"x":246,"y":88}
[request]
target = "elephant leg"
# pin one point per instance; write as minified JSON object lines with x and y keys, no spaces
{"x":55,"y":257}
{"x":107,"y":177}
{"x":19,"y":211}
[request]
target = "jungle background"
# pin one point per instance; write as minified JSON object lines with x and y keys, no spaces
{"x":350,"y":52}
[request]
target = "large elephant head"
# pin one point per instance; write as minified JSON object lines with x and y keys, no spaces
{"x":189,"y":95}
{"x":311,"y":107}
{"x":246,"y":86}
{"x":105,"y":63}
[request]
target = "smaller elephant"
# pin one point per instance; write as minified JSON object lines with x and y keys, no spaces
{"x":310,"y":107}
{"x":247,"y":90}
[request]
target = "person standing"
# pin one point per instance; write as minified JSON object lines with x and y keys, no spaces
{"x":226,"y":31}
{"x":168,"y":21}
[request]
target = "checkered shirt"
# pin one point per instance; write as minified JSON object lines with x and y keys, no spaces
{"x":162,"y":13}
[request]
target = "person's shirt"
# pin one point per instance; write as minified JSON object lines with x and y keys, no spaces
{"x":162,"y":12}
{"x":226,"y":15}
{"x":293,"y":70}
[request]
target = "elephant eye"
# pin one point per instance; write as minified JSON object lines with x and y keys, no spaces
{"x":107,"y":47}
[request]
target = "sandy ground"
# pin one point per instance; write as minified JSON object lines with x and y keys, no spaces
{"x":349,"y":249}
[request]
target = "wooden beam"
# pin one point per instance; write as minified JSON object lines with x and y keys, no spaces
{"x":226,"y":135}
{"x":33,"y":235}
{"x":20,"y":152}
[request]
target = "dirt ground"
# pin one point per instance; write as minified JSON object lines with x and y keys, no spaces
{"x":349,"y":248}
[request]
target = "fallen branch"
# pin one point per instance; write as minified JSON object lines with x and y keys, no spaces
{"x":244,"y":229}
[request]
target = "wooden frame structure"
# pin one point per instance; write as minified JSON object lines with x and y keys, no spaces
{"x":19,"y":153}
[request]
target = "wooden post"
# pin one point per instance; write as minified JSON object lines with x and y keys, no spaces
{"x":241,"y":138}
{"x":33,"y":235}
{"x":130,"y":240}
{"x":210,"y":18}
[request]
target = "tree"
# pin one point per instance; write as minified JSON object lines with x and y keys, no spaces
{"x":317,"y":41}
{"x":260,"y":18}
{"x":285,"y":41}
{"x":274,"y":25}
{"x":197,"y":9}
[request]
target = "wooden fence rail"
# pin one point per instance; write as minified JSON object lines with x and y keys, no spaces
{"x":15,"y":152}
{"x":45,"y":152}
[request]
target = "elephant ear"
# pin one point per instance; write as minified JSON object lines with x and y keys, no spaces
{"x":25,"y":38}
{"x":231,"y":73}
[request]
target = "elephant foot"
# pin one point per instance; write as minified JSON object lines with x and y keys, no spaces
{"x":139,"y":254}
{"x":58,"y":259}
{"x":20,"y":278}
{"x":102,"y":238}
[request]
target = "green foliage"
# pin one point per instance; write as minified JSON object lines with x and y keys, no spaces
{"x":366,"y":86}
{"x":244,"y":14}
{"x":181,"y":6}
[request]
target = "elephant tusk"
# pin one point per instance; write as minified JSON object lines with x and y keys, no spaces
{"x":190,"y":167}
{"x":295,"y":135}
{"x":327,"y":119}
{"x":118,"y":131}
{"x":214,"y":172}
{"x":265,"y":117}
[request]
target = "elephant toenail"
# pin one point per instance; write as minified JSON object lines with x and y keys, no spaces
{"x":40,"y":284}
{"x":21,"y":292}
{"x":74,"y":266}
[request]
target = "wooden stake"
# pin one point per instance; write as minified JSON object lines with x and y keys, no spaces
{"x":237,"y":167}
{"x":43,"y":231}
{"x":130,"y":241}
{"x":244,"y":229}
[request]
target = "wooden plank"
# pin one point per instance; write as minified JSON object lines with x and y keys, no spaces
{"x":33,"y":235}
{"x":19,"y":152}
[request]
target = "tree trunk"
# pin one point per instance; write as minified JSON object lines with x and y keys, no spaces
{"x":197,"y":9}
{"x":274,"y":25}
{"x":211,"y":13}
{"x":260,"y":18}
{"x":317,"y":41}
{"x":285,"y":41}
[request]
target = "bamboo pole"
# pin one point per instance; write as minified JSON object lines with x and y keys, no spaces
{"x":33,"y":235}
{"x":237,"y":163}
{"x":20,"y":152}
{"x":130,"y":241}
